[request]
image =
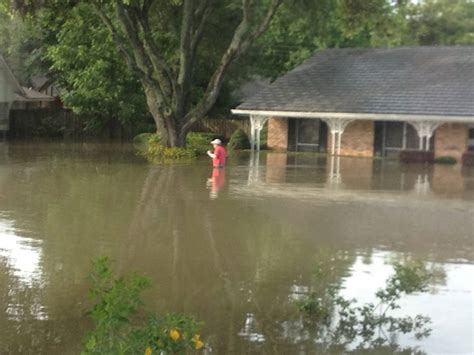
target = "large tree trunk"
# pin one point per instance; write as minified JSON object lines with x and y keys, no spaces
{"x":165,"y":123}
{"x":168,"y":88}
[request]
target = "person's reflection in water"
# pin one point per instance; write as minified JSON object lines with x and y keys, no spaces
{"x":216,"y":182}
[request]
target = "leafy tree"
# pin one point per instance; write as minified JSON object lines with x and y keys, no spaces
{"x":300,"y":28}
{"x":84,"y":62}
{"x":177,"y":58}
{"x":19,"y":43}
{"x":163,"y":44}
{"x":436,"y":22}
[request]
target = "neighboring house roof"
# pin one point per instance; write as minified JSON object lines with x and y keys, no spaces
{"x":39,"y":82}
{"x":406,"y":81}
{"x":21,"y":93}
{"x":43,"y":83}
{"x":33,"y":95}
{"x":14,"y":82}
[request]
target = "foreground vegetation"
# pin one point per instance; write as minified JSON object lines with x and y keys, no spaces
{"x":120,"y":327}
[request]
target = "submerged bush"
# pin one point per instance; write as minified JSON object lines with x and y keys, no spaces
{"x":239,"y":140}
{"x":145,"y":138}
{"x":197,"y":143}
{"x":118,"y":329}
{"x":445,"y":160}
{"x":149,"y":146}
{"x":200,"y":141}
{"x":159,"y":153}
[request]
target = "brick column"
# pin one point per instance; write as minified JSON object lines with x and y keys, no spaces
{"x":357,"y":139}
{"x":451,"y":140}
{"x":277,"y":137}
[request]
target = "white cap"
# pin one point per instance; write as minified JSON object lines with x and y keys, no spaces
{"x":216,"y":141}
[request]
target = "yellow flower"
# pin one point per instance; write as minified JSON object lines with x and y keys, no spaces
{"x":198,"y":344}
{"x":195,"y":337}
{"x":174,"y":334}
{"x":148,"y":351}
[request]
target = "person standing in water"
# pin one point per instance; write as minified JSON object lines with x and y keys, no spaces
{"x":219,"y":154}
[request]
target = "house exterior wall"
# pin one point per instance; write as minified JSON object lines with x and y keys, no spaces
{"x":277,"y":137}
{"x":451,"y":140}
{"x":357,"y":139}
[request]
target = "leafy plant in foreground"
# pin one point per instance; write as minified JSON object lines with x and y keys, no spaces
{"x":118,"y":328}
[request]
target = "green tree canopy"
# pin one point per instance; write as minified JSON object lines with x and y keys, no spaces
{"x":174,"y":59}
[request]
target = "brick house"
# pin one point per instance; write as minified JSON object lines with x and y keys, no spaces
{"x":367,"y":102}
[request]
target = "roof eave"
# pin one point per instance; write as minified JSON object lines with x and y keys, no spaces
{"x":356,"y":115}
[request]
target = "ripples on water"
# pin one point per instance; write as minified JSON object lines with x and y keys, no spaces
{"x":233,"y":250}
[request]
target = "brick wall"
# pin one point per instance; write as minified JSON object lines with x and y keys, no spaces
{"x":277,"y":137}
{"x":451,"y":140}
{"x":357,"y":139}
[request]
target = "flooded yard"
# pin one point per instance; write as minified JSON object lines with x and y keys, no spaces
{"x":235,"y":251}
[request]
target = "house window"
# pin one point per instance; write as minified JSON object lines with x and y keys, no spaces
{"x":391,"y":137}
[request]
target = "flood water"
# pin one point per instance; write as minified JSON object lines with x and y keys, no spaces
{"x":234,"y":251}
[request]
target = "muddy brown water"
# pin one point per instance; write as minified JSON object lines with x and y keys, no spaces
{"x":233,"y":251}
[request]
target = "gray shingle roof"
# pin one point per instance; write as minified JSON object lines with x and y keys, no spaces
{"x":405,"y":80}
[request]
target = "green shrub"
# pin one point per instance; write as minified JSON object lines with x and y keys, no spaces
{"x":445,"y":160}
{"x":118,"y":329}
{"x":239,"y":140}
{"x":145,"y":138}
{"x":159,"y":153}
{"x":200,"y":141}
{"x":197,"y":143}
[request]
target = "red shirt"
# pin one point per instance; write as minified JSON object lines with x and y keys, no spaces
{"x":220,"y":154}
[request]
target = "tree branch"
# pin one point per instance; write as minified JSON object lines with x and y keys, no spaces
{"x":186,"y":58}
{"x":131,"y":29}
{"x":132,"y":65}
{"x":240,"y":42}
{"x":202,"y":13}
{"x":166,"y":78}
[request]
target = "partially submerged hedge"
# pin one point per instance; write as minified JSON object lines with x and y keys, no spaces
{"x":445,"y":160}
{"x":149,"y":145}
